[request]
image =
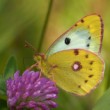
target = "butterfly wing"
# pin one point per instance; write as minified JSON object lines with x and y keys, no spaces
{"x":76,"y":70}
{"x":85,"y":34}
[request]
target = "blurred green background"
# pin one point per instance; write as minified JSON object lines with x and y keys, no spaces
{"x":40,"y":22}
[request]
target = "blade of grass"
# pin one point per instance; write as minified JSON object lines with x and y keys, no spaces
{"x":45,"y":25}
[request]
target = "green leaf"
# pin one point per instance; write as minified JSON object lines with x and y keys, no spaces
{"x":2,"y":88}
{"x":10,"y":68}
{"x":104,"y":102}
{"x":9,"y":71}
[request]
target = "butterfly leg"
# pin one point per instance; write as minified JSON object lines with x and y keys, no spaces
{"x":32,"y":66}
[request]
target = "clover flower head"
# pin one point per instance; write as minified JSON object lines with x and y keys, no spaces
{"x":31,"y":91}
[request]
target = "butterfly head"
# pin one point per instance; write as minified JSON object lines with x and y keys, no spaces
{"x":39,"y":57}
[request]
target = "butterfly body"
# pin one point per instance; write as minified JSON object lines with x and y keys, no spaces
{"x":73,"y":61}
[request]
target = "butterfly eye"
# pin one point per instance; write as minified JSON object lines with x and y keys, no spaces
{"x":67,"y":41}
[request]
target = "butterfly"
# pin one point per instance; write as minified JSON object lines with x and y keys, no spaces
{"x":73,"y":61}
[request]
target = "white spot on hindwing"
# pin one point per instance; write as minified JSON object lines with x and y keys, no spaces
{"x":75,"y":66}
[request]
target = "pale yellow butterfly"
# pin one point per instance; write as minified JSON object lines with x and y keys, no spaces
{"x":73,"y":61}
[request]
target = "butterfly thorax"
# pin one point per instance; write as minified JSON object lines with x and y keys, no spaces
{"x":42,"y":64}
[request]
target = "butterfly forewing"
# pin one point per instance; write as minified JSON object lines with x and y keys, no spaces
{"x":85,"y":34}
{"x":76,"y":70}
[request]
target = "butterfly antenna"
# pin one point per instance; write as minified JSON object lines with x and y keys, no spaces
{"x":29,"y":45}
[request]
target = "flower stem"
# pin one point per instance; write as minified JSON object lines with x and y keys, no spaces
{"x":45,"y":25}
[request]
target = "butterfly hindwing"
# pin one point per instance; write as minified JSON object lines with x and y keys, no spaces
{"x":76,"y":70}
{"x":85,"y":34}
